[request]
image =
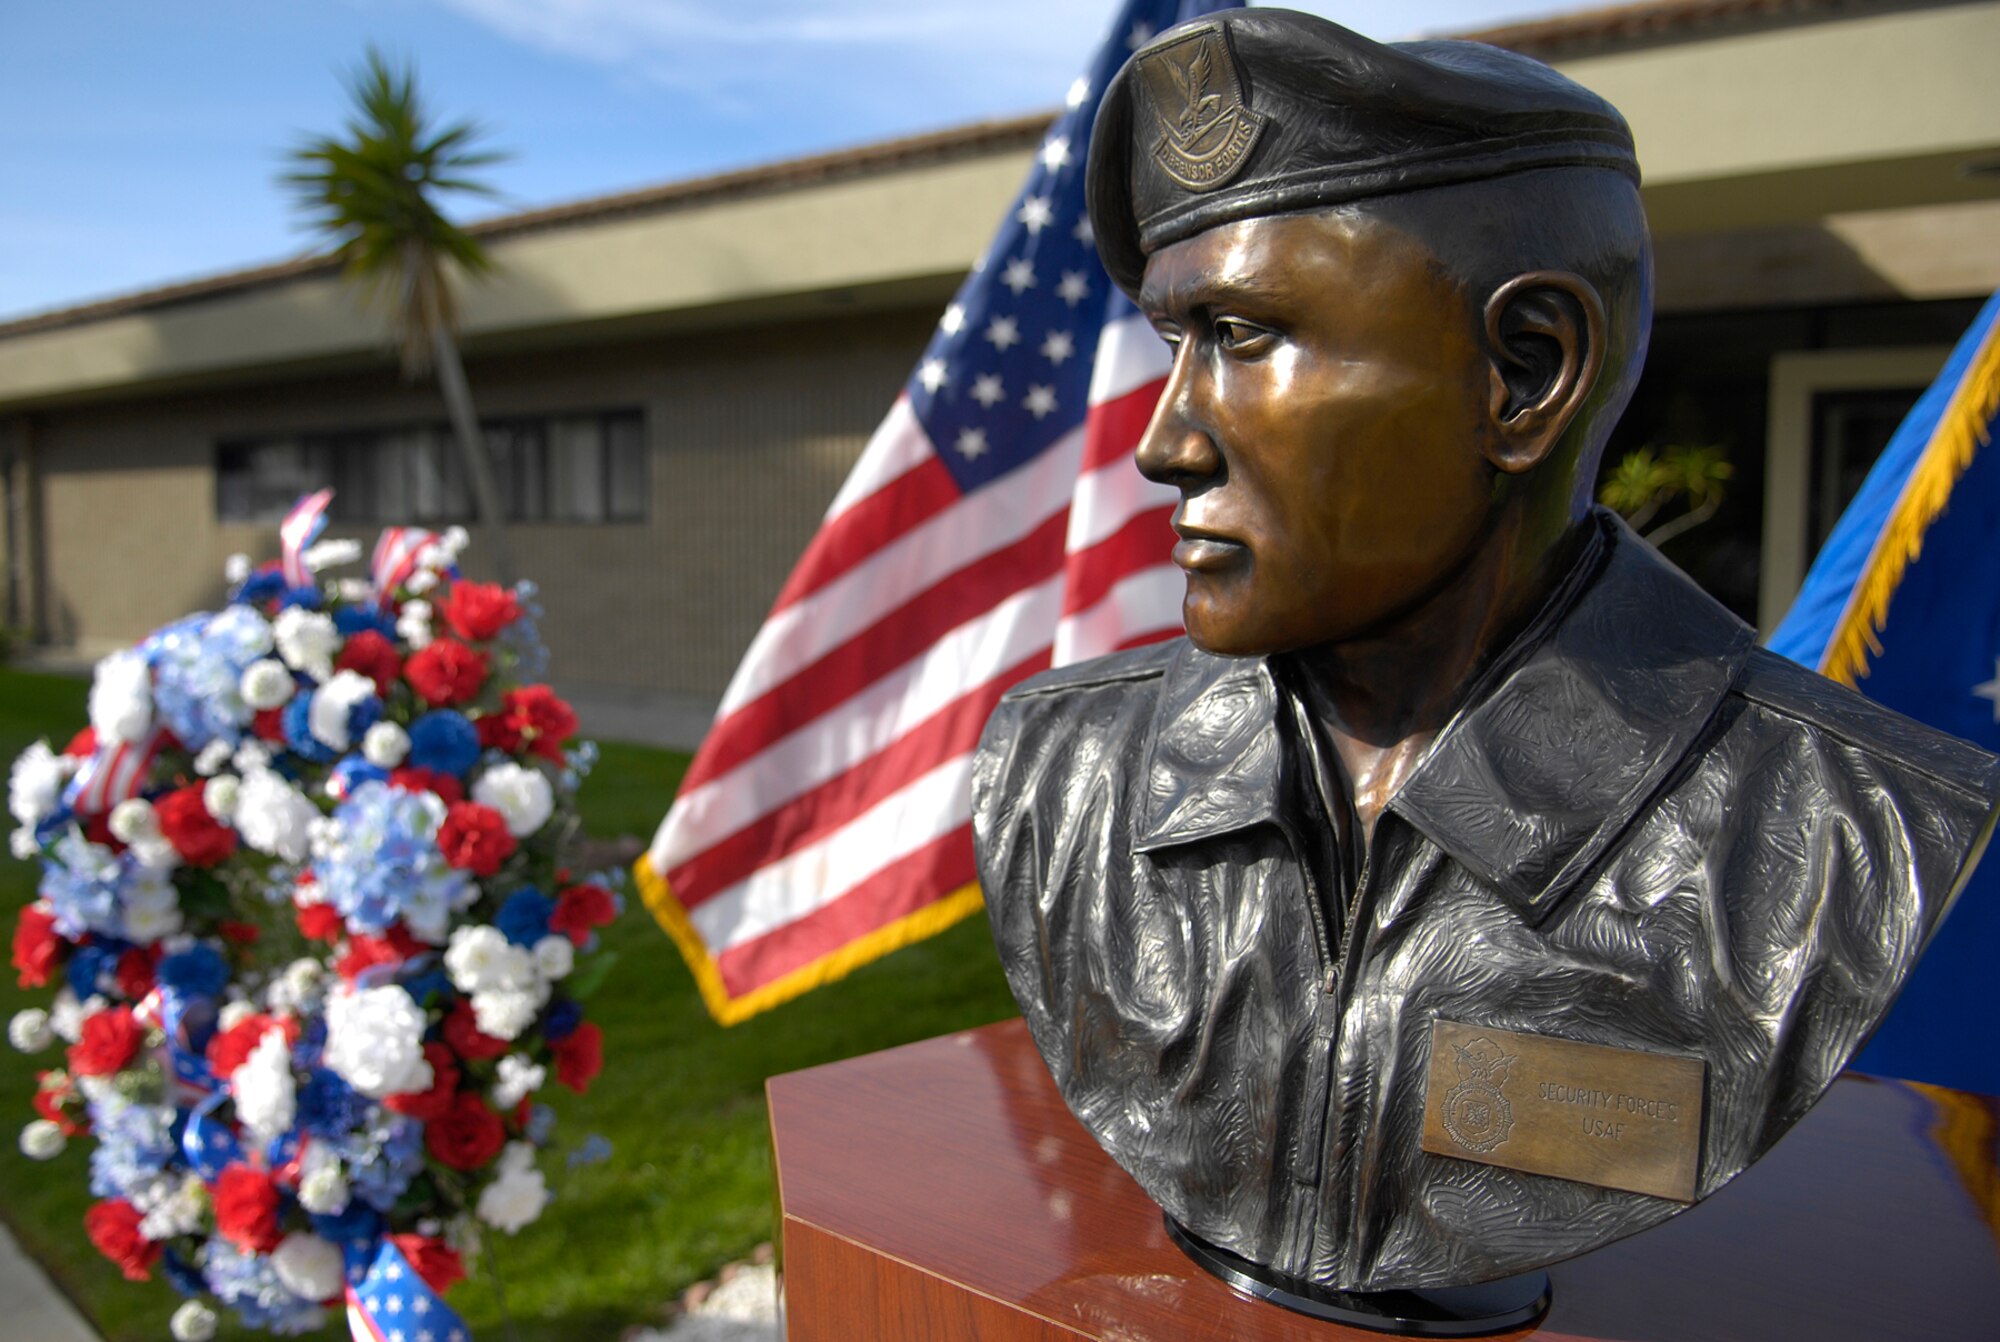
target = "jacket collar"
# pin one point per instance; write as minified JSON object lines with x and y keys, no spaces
{"x":1528,"y":783}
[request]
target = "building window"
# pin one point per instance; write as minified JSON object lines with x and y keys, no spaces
{"x":553,"y":468}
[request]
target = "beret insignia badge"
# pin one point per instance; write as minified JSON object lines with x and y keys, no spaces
{"x":1206,"y":129}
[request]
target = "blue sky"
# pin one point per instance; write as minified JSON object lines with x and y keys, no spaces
{"x":140,"y":140}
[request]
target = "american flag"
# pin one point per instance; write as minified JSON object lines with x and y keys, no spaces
{"x":388,"y":1302}
{"x":994,"y":526}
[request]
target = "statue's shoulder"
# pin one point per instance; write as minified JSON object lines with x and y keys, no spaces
{"x":1133,"y":671}
{"x":1809,"y":703}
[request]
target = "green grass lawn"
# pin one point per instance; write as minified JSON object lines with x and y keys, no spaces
{"x":681,"y":1099}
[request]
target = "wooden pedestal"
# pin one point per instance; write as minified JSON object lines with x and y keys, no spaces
{"x":942,"y":1191}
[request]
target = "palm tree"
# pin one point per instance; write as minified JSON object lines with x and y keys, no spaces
{"x":1644,"y":482}
{"x":373,"y":193}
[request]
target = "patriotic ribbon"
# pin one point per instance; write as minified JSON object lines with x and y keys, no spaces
{"x":395,"y":559}
{"x":301,"y":528}
{"x":207,"y":1142}
{"x":114,"y":773}
{"x":387,"y":1301}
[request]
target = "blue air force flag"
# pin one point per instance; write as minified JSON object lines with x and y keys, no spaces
{"x":1903,"y":604}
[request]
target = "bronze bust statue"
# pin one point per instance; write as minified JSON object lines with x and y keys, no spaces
{"x":1467,"y":889}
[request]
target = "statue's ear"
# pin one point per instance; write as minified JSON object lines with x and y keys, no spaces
{"x":1545,"y":334}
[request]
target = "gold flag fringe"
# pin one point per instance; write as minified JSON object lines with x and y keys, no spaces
{"x":927,"y":921}
{"x":1964,"y":428}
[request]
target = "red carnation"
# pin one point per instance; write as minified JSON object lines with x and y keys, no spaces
{"x":410,"y":778}
{"x":474,"y":838}
{"x":446,"y":672}
{"x":111,"y":1038}
{"x":478,"y":610}
{"x":229,"y":1049}
{"x":373,"y":656}
{"x":113,"y":1226}
{"x":437,"y":1101}
{"x":434,"y":1260}
{"x":541,"y":718}
{"x":37,"y":948}
{"x":467,"y":1135}
{"x":200,"y":839}
{"x":83,"y":745}
{"x":579,"y":1056}
{"x":393,"y":947}
{"x":497,"y":731}
{"x":319,"y":922}
{"x":135,"y":973}
{"x":268,"y":724}
{"x":462,"y":1032}
{"x":579,"y":909}
{"x":246,"y":1209}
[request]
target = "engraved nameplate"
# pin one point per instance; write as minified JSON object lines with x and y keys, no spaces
{"x":1613,"y":1117}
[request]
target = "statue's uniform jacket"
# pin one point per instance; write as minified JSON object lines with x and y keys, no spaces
{"x":1639,"y":831}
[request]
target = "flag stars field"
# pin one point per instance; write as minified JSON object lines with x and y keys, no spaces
{"x":1059,"y":346}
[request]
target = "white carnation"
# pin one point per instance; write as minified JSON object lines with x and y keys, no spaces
{"x":433,"y":556}
{"x":322,"y":1186}
{"x":121,"y":698}
{"x":274,"y":817}
{"x":42,"y":1140}
{"x":220,"y":794}
{"x":308,"y":1266}
{"x":307,"y":641}
{"x":21,"y":843}
{"x":375,"y":1041}
{"x":505,"y":1012}
{"x":413,"y":622}
{"x":521,"y":795}
{"x":29,"y":1030}
{"x":214,"y":757}
{"x":421,"y":581}
{"x":518,"y":1078}
{"x":331,"y":704}
{"x":236,"y":568}
{"x":192,"y":1322}
{"x":265,"y":684}
{"x":480,"y":958}
{"x":293,"y":990}
{"x":34,"y":786}
{"x":518,"y":1195}
{"x":252,"y":755}
{"x":555,"y":956}
{"x":234,"y":1012}
{"x":151,"y":907}
{"x":155,"y":852}
{"x":66,"y":1016}
{"x":385,"y":745}
{"x":133,"y":819}
{"x":265,"y":1092}
{"x":330,"y":554}
{"x":454,"y":540}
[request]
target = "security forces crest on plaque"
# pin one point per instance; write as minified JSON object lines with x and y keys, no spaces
{"x":1206,"y":130}
{"x":1476,"y":1112}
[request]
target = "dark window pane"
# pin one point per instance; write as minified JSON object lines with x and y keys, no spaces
{"x":578,"y":462}
{"x":625,"y":449}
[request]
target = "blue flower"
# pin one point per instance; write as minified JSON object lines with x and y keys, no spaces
{"x":249,"y":1283}
{"x":298,"y":730}
{"x":183,"y":1276}
{"x":380,"y":862}
{"x":561,"y":1020}
{"x":382,"y":1160}
{"x":134,"y":1143}
{"x":306,"y":597}
{"x":82,"y":881}
{"x":89,"y":967}
{"x":351,"y":620}
{"x":197,"y":666}
{"x":198,"y":971}
{"x":327,"y":1106}
{"x":262,"y":585}
{"x":541,"y":1124}
{"x":444,"y":741}
{"x":524,"y":918}
{"x":596,"y":1149}
{"x":359,"y":1223}
{"x":364,"y":714}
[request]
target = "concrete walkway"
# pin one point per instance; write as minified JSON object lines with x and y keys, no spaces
{"x":36,"y":1310}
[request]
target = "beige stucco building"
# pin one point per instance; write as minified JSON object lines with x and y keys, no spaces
{"x":679,"y":378}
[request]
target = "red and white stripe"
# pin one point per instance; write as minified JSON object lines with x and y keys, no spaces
{"x":296,"y":532}
{"x":395,"y":559}
{"x":830,"y":798}
{"x":115,"y":773}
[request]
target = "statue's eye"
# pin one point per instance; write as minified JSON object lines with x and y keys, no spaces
{"x":1242,"y":338}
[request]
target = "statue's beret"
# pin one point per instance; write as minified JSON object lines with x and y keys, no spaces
{"x":1262,"y":111}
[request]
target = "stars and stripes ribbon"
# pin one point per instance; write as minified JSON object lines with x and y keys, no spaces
{"x":301,"y":528}
{"x":116,"y":771}
{"x":395,"y":559}
{"x":387,"y":1301}
{"x":994,"y":526}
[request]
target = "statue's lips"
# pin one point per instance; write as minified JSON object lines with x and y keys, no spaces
{"x":1201,"y":551}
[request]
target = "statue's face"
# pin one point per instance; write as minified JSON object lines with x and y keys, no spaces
{"x":1323,"y":423}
